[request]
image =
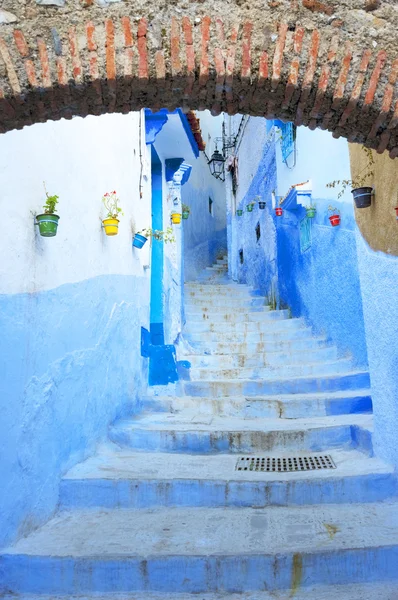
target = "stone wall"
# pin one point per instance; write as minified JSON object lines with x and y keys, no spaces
{"x":323,"y":64}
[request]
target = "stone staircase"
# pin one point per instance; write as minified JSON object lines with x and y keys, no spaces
{"x":163,"y":511}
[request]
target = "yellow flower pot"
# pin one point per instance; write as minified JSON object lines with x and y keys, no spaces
{"x":111,"y":226}
{"x":176,"y":218}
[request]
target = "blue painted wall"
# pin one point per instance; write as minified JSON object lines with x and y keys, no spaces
{"x":70,"y":364}
{"x":322,"y":284}
{"x":379,"y":284}
{"x":156,"y":313}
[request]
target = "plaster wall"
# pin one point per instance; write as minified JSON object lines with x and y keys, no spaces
{"x":71,"y":307}
{"x":379,"y":285}
{"x":321,"y":283}
{"x":377,"y":223}
{"x":204,"y":233}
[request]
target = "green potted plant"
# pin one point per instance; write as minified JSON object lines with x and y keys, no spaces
{"x":361,"y":192}
{"x":239,"y":212}
{"x":311,"y":211}
{"x":250,"y":206}
{"x":185,"y":211}
{"x":48,"y":221}
{"x":113,"y":210}
{"x":141,"y":237}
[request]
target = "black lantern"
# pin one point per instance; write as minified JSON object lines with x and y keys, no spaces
{"x":216,"y":165}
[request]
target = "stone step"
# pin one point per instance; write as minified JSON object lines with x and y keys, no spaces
{"x":275,"y":333}
{"x":292,"y":406}
{"x":319,"y":369}
{"x":387,"y":590}
{"x":280,"y":345}
{"x":229,"y":301}
{"x":220,"y":316}
{"x":194,"y":550}
{"x":217,"y":268}
{"x":195,"y":433}
{"x":262,"y":359}
{"x":123,"y":479}
{"x":211,"y":291}
{"x":356,"y":380}
{"x":269,"y":322}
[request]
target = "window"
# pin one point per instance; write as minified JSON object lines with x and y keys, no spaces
{"x":305,"y":234}
{"x":210,"y":206}
{"x":288,"y":133}
{"x":241,"y":259}
{"x":258,"y":231}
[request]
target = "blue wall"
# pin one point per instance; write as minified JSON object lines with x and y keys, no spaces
{"x":156,"y":316}
{"x":204,"y":235}
{"x":379,"y":284}
{"x":322,"y":283}
{"x":70,"y":364}
{"x":259,"y":267}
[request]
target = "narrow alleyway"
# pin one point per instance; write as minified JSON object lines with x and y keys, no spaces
{"x":170,"y":506}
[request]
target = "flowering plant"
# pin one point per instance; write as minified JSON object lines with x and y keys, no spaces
{"x":111,"y":201}
{"x":158,"y":234}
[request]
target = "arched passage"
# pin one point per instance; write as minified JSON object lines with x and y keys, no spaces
{"x":318,"y":63}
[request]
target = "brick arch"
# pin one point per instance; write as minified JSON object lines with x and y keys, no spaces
{"x":319,"y":63}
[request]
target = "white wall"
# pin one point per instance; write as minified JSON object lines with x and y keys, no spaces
{"x":319,"y":157}
{"x":79,"y":160}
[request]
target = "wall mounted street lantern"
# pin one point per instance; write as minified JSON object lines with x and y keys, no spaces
{"x":216,"y":165}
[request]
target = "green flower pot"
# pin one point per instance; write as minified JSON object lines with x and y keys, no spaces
{"x":311,"y":212}
{"x":250,"y":207}
{"x":185,"y":214}
{"x":239,"y":212}
{"x":48,"y":224}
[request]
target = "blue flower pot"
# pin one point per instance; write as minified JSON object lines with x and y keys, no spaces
{"x":139,"y":240}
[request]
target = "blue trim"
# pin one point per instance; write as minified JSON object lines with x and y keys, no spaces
{"x":172,"y":166}
{"x":188,"y":131}
{"x":154,"y":123}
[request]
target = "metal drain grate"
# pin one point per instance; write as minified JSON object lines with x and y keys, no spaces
{"x":313,"y":462}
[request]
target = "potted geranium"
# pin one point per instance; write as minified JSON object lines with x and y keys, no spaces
{"x":278,"y":211}
{"x":48,"y":221}
{"x":141,"y":237}
{"x":113,"y":210}
{"x":334,"y":216}
{"x":185,"y":211}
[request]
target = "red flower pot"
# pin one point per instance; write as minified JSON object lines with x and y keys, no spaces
{"x":335,"y":220}
{"x":278,"y":211}
{"x":396,"y":210}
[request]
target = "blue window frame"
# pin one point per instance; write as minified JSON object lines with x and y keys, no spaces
{"x":305,"y":234}
{"x":287,"y":140}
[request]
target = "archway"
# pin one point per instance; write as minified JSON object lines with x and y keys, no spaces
{"x":315,"y":63}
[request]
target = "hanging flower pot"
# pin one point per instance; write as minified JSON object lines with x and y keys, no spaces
{"x":278,"y":211}
{"x":335,"y":220}
{"x":111,"y":226}
{"x":261,"y":205}
{"x":239,"y":212}
{"x":139,"y":240}
{"x":176,"y":218}
{"x":396,"y":212}
{"x":48,"y":221}
{"x":311,"y":212}
{"x":111,"y":223}
{"x":48,"y":224}
{"x":362,"y":196}
{"x":185,"y":211}
{"x":249,"y":207}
